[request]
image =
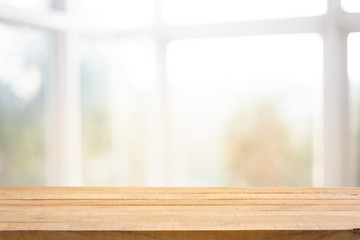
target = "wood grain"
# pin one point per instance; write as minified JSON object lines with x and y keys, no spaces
{"x":179,"y":213}
{"x":181,"y":235}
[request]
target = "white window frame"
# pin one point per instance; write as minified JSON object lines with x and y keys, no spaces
{"x":333,"y":166}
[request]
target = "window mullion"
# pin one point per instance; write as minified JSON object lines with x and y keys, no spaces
{"x":336,"y":107}
{"x":158,"y":161}
{"x":67,"y":105}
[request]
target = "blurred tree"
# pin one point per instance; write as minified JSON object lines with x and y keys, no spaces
{"x":24,"y":75}
{"x":263,"y":152}
{"x":21,"y":139}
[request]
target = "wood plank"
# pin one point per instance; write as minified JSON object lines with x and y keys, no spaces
{"x":179,"y":213}
{"x":176,"y":235}
{"x":152,"y":220}
{"x":48,"y":205}
{"x":190,"y":196}
{"x":177,"y":193}
{"x":210,"y":202}
{"x":115,"y":193}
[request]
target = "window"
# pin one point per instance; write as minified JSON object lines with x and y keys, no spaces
{"x":23,"y":107}
{"x":28,"y":4}
{"x":354,"y":78}
{"x":112,"y":15}
{"x":96,"y":113}
{"x":179,"y":93}
{"x":116,"y":110}
{"x":351,"y":5}
{"x":242,"y":108}
{"x":175,"y":12}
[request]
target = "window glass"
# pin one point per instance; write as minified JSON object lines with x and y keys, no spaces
{"x":96,"y":124}
{"x":28,"y":4}
{"x":354,"y":80}
{"x":351,"y":5}
{"x":242,"y":109}
{"x":212,"y":11}
{"x":23,"y":81}
{"x":117,"y":88}
{"x":110,"y":14}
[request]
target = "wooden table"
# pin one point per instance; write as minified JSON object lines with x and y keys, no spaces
{"x":179,"y":213}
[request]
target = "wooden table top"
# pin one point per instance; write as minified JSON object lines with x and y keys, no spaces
{"x":178,"y":209}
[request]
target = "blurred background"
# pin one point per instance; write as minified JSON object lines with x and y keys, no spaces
{"x":180,"y":93}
